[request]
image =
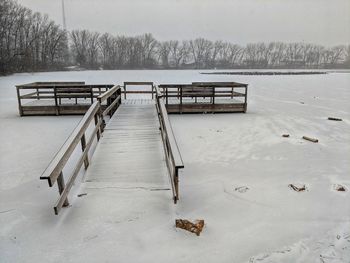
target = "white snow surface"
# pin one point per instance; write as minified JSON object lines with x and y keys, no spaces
{"x":237,"y":171}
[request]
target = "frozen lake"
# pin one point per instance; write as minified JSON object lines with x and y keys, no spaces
{"x":237,"y":171}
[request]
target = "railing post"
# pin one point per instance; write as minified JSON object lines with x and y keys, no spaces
{"x":166,"y":94}
{"x":214,"y":95}
{"x":56,"y":103}
{"x":61,"y":185}
{"x":245,"y":98}
{"x":103,"y":123}
{"x":180,"y":99}
{"x":83,"y":146}
{"x":19,"y":101}
{"x":98,"y":133}
{"x":176,"y":184}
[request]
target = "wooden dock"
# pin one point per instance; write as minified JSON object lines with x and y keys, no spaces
{"x":136,"y":147}
{"x":68,"y":98}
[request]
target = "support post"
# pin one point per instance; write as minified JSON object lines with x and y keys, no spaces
{"x":245,"y":98}
{"x":56,"y":103}
{"x":98,"y":133}
{"x":19,"y":102}
{"x":61,"y":185}
{"x":83,"y":147}
{"x":176,"y":184}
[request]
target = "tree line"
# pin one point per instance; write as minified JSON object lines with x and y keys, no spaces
{"x":29,"y":41}
{"x":32,"y":42}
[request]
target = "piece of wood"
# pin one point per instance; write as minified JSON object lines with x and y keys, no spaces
{"x":314,"y":140}
{"x":195,"y":227}
{"x":334,"y":119}
{"x":296,"y":188}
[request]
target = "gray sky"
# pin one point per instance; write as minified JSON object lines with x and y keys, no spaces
{"x":324,"y":22}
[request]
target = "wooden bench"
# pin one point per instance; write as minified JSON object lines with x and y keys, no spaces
{"x":74,"y":93}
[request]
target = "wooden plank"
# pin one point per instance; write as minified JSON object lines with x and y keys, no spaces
{"x":138,"y":83}
{"x":219,"y":84}
{"x":205,"y":108}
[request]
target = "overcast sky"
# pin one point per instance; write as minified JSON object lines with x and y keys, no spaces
{"x":324,"y":22}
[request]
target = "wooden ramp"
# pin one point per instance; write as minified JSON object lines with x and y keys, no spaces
{"x":130,"y":154}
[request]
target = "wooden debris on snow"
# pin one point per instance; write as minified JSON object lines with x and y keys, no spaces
{"x":334,"y":119}
{"x":298,"y":188}
{"x":339,"y":188}
{"x":195,"y":227}
{"x":285,"y":135}
{"x":310,"y":139}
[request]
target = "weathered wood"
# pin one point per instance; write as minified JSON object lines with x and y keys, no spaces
{"x":334,"y":119}
{"x":310,"y":139}
{"x":205,"y":108}
{"x":56,"y":165}
{"x":59,"y":94}
{"x":68,"y":186}
{"x":205,"y":97}
{"x":61,"y":185}
{"x":172,"y":154}
{"x":83,"y":147}
{"x":103,"y":97}
{"x":138,"y":83}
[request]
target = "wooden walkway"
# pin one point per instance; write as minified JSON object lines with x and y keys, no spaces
{"x":137,"y":149}
{"x":130,"y":154}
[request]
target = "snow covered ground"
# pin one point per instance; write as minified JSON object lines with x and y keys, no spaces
{"x":237,"y":171}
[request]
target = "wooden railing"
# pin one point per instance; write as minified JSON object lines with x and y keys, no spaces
{"x":54,"y":172}
{"x":138,"y":83}
{"x":112,"y":97}
{"x":205,"y":97}
{"x":56,"y":98}
{"x":172,"y":154}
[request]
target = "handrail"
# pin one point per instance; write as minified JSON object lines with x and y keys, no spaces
{"x":54,"y":173}
{"x":108,"y":93}
{"x":173,"y":157}
{"x":113,"y":98}
{"x":138,"y":83}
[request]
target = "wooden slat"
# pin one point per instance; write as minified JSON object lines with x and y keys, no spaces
{"x":138,"y":83}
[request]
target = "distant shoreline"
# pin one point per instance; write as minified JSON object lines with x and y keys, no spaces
{"x":266,"y":73}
